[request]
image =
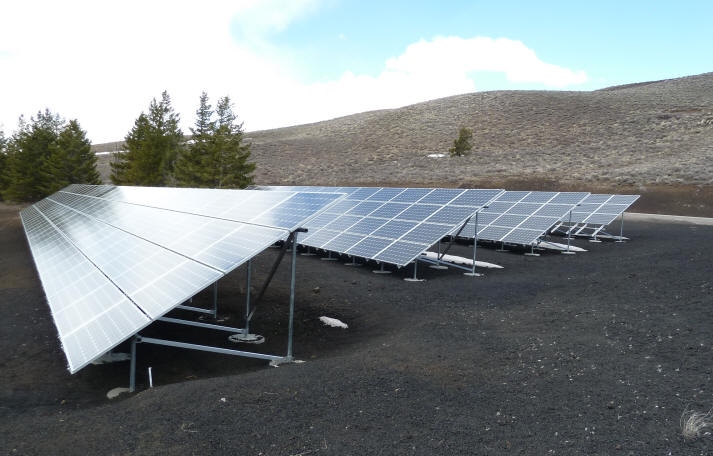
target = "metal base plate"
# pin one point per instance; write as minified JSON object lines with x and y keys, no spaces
{"x":595,"y":240}
{"x":411,"y":279}
{"x":381,"y":271}
{"x":307,"y":254}
{"x":532,"y":254}
{"x":568,"y":252}
{"x":329,"y":259}
{"x":355,"y":265}
{"x":473,"y":274}
{"x":246,"y":338}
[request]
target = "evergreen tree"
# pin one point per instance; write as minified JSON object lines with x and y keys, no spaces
{"x":29,"y":149}
{"x":3,"y":163}
{"x":230,"y":155}
{"x":71,"y":160}
{"x":462,"y":145}
{"x":152,"y":146}
{"x":192,"y":167}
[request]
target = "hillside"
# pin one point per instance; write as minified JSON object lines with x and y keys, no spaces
{"x":645,"y":137}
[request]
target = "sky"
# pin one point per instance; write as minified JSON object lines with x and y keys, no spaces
{"x":290,"y":62}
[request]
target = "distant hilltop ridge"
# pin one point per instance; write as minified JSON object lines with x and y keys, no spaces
{"x":633,"y":135}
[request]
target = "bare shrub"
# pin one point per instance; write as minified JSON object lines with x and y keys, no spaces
{"x":694,"y":423}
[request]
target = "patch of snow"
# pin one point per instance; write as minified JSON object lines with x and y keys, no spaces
{"x":114,"y":393}
{"x":333,"y":322}
{"x":436,"y":155}
{"x":461,"y":260}
{"x":557,"y":246}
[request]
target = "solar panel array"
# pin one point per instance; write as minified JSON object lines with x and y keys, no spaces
{"x":521,"y":217}
{"x":390,"y":225}
{"x":113,"y":259}
{"x":601,"y":209}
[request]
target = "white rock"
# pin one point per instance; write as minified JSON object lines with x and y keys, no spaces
{"x":333,"y":322}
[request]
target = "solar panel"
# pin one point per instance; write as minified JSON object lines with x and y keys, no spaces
{"x":113,"y":259}
{"x":523,"y":217}
{"x":599,"y":210}
{"x":392,"y":225}
{"x":90,"y":313}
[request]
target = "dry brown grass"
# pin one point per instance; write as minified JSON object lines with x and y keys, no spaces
{"x":693,"y":424}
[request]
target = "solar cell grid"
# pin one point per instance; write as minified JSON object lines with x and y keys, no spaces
{"x":599,"y":210}
{"x":386,"y":194}
{"x":539,"y":197}
{"x":391,"y":217}
{"x":367,"y":225}
{"x":411,"y":195}
{"x":523,"y":217}
{"x":390,"y":210}
{"x":369,"y":247}
{"x":401,"y":252}
{"x":110,"y":263}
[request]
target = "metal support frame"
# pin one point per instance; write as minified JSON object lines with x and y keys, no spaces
{"x":329,"y":257}
{"x":454,"y":237}
{"x":353,"y":263}
{"x":569,"y":236}
{"x":137,"y":339}
{"x":215,"y":299}
{"x":532,"y":251}
{"x":621,"y":229}
{"x":195,"y":309}
{"x":308,"y":252}
{"x":381,"y":270}
{"x":414,"y":278}
{"x":439,"y":264}
{"x":247,"y":296}
{"x":472,"y":273}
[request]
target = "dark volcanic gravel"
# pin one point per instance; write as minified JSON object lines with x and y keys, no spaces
{"x":595,"y":353}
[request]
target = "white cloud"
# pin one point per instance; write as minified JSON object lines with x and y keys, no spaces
{"x":103,"y":62}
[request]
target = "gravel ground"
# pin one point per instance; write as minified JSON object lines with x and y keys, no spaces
{"x":595,"y":353}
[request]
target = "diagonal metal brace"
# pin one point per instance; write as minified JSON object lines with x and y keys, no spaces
{"x":290,"y":242}
{"x":453,"y":238}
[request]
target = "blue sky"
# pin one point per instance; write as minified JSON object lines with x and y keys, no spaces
{"x":291,"y":62}
{"x":615,"y":42}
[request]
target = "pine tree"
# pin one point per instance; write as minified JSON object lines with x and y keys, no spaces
{"x":462,"y":145}
{"x":29,"y":149}
{"x":230,"y":155}
{"x":167,"y":138}
{"x":71,"y":160}
{"x":192,"y":168}
{"x":152,"y":146}
{"x":3,"y":163}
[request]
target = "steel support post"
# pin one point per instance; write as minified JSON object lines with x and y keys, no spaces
{"x":215,"y":299}
{"x":247,"y":298}
{"x":621,"y":229}
{"x":381,"y":270}
{"x":472,"y":273}
{"x":569,"y":236}
{"x":290,"y":327}
{"x":415,"y":278}
{"x":132,"y":368}
{"x":438,"y":265}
